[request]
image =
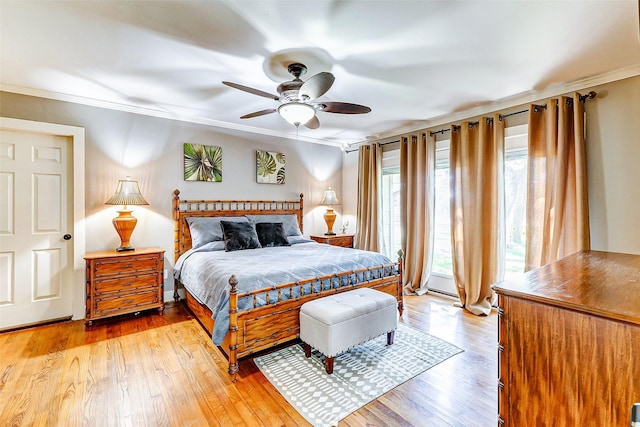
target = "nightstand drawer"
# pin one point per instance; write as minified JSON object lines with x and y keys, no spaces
{"x":344,"y":240}
{"x":110,"y":267}
{"x":130,"y":302}
{"x":126,"y":284}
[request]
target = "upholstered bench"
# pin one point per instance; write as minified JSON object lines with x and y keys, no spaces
{"x":336,"y":323}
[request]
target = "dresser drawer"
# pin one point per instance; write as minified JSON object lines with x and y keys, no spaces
{"x":129,"y":283}
{"x":128,"y":265}
{"x":502,"y":405}
{"x":105,"y":305}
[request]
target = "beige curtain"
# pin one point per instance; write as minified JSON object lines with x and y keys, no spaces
{"x":369,"y":182}
{"x":477,"y":211}
{"x":557,"y":202}
{"x":417,"y":207}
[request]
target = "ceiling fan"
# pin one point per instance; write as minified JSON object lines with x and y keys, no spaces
{"x":297,"y":98}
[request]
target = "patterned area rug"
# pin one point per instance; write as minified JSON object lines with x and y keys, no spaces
{"x":360,"y":375}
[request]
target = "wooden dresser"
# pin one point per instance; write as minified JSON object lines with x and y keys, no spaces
{"x":569,"y":342}
{"x":344,"y":240}
{"x":124,"y":282}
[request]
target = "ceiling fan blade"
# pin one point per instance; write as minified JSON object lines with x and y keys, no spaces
{"x":313,"y":123}
{"x":259,"y":113}
{"x":252,"y":90}
{"x":316,"y":86}
{"x":344,"y":108}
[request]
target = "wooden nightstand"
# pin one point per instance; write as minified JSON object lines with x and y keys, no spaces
{"x":344,"y":240}
{"x":124,"y":282}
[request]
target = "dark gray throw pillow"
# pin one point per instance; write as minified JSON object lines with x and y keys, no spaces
{"x":289,"y":222}
{"x":239,"y":236}
{"x":271,"y":234}
{"x":207,"y":229}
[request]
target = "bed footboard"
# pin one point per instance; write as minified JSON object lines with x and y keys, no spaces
{"x":278,"y":320}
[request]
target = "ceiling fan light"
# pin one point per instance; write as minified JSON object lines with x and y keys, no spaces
{"x":297,"y":113}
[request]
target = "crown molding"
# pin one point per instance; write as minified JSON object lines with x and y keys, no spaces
{"x":159,"y":114}
{"x":510,"y":102}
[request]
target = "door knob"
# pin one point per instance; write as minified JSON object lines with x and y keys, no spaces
{"x":67,"y":237}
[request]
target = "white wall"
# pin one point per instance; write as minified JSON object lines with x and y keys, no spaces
{"x":150,"y":150}
{"x":613,"y":166}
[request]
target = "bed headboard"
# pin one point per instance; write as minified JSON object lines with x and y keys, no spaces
{"x":182,"y":209}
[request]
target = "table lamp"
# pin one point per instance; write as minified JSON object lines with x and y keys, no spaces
{"x":329,"y":199}
{"x":127,"y":193}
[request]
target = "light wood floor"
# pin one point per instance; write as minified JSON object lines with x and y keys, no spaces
{"x":155,"y":370}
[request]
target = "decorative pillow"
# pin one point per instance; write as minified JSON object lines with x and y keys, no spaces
{"x":289,"y":222}
{"x":239,"y":236}
{"x":271,"y":234}
{"x":207,"y":229}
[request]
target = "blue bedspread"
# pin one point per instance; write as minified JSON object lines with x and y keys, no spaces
{"x":205,"y":271}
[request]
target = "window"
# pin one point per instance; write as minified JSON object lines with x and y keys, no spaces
{"x":442,"y":262}
{"x":391,"y":203}
{"x":515,"y":175}
{"x":515,"y":188}
{"x":515,"y":196}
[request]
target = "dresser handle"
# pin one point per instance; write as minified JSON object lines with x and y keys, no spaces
{"x":500,"y":311}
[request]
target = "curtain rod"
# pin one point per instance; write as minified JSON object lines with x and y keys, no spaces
{"x":582,"y":98}
{"x":379,"y":143}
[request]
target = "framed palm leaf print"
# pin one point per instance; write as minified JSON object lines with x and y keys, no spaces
{"x":202,"y":163}
{"x":269,"y":167}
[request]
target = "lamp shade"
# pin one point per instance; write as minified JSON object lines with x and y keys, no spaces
{"x":127,"y":193}
{"x":329,"y":198}
{"x":297,"y":113}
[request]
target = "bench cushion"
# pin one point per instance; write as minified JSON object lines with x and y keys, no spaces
{"x":347,"y":305}
{"x":339,"y":322}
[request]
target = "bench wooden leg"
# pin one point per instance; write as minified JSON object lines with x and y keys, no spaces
{"x":328,"y":365}
{"x":307,"y":349}
{"x":390,"y":336}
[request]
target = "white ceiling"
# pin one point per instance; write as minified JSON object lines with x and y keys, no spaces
{"x":410,"y":61}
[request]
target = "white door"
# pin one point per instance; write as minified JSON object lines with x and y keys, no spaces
{"x":36,"y":228}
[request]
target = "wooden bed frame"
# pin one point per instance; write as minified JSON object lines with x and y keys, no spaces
{"x":278,"y":321}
